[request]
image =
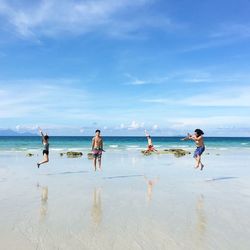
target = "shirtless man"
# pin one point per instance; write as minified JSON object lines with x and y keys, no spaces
{"x":97,"y":148}
{"x":199,"y":141}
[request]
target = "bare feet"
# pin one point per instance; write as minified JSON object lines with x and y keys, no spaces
{"x":202,"y":166}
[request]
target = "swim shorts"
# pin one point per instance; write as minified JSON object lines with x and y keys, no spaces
{"x":45,"y":152}
{"x":97,"y":153}
{"x":199,"y":151}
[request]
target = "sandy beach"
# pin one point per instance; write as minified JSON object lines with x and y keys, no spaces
{"x":142,"y":86}
{"x":135,"y":202}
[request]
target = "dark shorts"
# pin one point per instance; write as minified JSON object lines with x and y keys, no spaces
{"x":45,"y":152}
{"x":97,"y":153}
{"x":199,"y":151}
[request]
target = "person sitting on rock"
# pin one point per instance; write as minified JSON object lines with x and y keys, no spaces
{"x":150,"y":144}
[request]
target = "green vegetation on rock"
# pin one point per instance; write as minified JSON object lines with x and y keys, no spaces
{"x":176,"y":152}
{"x":72,"y":154}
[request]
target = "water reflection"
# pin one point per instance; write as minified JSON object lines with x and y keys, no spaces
{"x":201,"y":221}
{"x":150,"y":184}
{"x":96,"y":211}
{"x":44,"y":201}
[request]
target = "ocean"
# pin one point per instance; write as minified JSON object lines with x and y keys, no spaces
{"x":57,"y":143}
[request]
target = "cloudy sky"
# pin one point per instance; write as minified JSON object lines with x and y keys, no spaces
{"x":122,"y":66}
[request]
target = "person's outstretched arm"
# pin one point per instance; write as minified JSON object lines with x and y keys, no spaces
{"x":193,"y":137}
{"x":41,"y":132}
{"x":188,"y":137}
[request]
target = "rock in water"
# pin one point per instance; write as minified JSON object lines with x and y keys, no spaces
{"x":176,"y":152}
{"x":29,"y":154}
{"x":90,"y":156}
{"x":146,"y":152}
{"x":72,"y":154}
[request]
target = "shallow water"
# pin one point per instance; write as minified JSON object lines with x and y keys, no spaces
{"x":135,"y":202}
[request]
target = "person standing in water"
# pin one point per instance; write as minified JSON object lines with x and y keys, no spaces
{"x":97,"y":148}
{"x":150,"y":143}
{"x":199,"y":141}
{"x":45,"y":142}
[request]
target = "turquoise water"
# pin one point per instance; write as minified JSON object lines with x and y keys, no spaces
{"x":12,"y":143}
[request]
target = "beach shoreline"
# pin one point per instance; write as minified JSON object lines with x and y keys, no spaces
{"x":66,"y":205}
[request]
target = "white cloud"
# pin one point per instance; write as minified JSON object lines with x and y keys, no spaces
{"x":134,"y":125}
{"x":155,"y":127}
{"x":236,"y":30}
{"x":228,"y":98}
{"x":133,"y":80}
{"x":26,"y":128}
{"x":191,"y":76}
{"x":226,"y":34}
{"x":215,"y":122}
{"x":55,"y":17}
{"x":233,"y":97}
{"x":49,"y":99}
{"x":159,"y":101}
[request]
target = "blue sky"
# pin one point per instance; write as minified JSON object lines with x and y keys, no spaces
{"x":123,"y":66}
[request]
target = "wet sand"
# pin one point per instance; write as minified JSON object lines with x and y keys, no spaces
{"x":135,"y":202}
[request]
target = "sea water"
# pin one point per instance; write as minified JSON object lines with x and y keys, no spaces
{"x":58,"y":143}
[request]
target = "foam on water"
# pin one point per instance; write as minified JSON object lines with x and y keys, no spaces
{"x":75,"y":149}
{"x":57,"y":149}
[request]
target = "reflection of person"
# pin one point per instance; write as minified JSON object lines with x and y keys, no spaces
{"x":199,"y":141}
{"x":150,"y":143}
{"x":201,"y":218}
{"x":97,"y":148}
{"x":150,"y":185}
{"x":45,"y":141}
{"x":96,"y":212}
{"x":44,"y":201}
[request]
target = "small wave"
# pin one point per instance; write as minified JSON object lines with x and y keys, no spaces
{"x":244,"y":143}
{"x":223,"y":149}
{"x":113,"y":146}
{"x":135,"y":149}
{"x":22,"y":150}
{"x":75,"y":149}
{"x":133,"y":146}
{"x":57,"y":149}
